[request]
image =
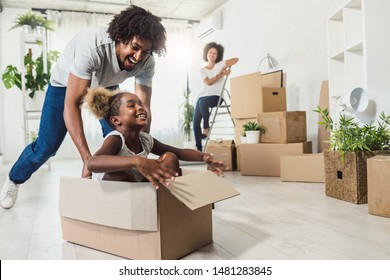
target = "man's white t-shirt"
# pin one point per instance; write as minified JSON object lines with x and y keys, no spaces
{"x":90,"y":55}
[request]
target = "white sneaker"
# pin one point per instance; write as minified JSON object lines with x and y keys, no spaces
{"x":9,"y":193}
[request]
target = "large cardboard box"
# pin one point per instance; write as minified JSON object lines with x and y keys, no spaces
{"x":224,"y":150}
{"x":378,"y":188}
{"x":264,"y":159}
{"x":249,"y":97}
{"x":135,"y":221}
{"x":302,"y":168}
{"x":283,"y":127}
{"x":238,"y":128}
{"x":347,"y":179}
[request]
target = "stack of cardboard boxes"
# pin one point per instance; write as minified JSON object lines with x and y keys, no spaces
{"x":262,"y":98}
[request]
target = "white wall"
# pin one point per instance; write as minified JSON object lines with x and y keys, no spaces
{"x":11,"y":101}
{"x":294,"y":32}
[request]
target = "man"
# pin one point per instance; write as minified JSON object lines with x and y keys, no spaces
{"x":95,"y":57}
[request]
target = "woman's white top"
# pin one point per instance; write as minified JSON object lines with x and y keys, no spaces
{"x":216,"y":88}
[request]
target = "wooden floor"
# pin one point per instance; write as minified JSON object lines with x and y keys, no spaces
{"x":270,"y":220}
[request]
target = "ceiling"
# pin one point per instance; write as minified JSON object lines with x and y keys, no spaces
{"x":177,"y":9}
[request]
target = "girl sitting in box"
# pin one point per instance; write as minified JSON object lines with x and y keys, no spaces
{"x":123,"y":155}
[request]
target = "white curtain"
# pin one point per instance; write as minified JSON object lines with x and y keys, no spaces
{"x":169,"y":84}
{"x":169,"y":81}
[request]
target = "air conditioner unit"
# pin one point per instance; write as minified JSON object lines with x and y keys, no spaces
{"x":209,"y":25}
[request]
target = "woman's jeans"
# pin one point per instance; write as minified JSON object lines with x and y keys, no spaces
{"x":202,"y":111}
{"x":52,"y":131}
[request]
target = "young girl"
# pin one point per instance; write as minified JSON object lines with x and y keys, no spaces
{"x":123,"y":155}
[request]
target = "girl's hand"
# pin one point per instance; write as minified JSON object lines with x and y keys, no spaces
{"x":216,"y":166}
{"x":155,"y":171}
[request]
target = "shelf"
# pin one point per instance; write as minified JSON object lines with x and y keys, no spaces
{"x":353,"y":26}
{"x":31,"y":113}
{"x":338,"y":56}
{"x":32,"y":38}
{"x":358,"y":48}
{"x":357,"y":4}
{"x":354,"y":69}
{"x":335,"y":37}
{"x":338,"y":16}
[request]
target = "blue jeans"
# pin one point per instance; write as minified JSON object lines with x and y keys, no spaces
{"x":52,"y":131}
{"x":106,"y":128}
{"x":202,"y":111}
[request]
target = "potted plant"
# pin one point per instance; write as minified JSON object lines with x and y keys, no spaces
{"x":253,"y":131}
{"x":31,"y":21}
{"x":351,"y":144}
{"x":188,"y":113}
{"x":35,"y":78}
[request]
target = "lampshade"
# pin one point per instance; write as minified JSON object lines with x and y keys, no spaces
{"x":357,"y":100}
{"x":271,"y":61}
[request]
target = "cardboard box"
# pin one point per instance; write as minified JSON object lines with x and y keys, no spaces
{"x":238,"y":128}
{"x":323,"y":134}
{"x":224,"y":150}
{"x":283,"y":127}
{"x":249,"y":97}
{"x":135,"y":221}
{"x":302,"y":168}
{"x":347,"y":180}
{"x":378,"y":187}
{"x":264,"y":159}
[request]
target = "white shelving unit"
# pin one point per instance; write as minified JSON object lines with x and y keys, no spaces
{"x":358,"y":52}
{"x":32,"y":109}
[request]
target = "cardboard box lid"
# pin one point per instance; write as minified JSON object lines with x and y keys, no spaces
{"x":201,"y":189}
{"x":116,"y":204}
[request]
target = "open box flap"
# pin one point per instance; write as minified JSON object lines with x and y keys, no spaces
{"x":200,"y":189}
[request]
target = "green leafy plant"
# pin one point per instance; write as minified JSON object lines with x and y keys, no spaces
{"x":350,"y":136}
{"x":32,"y":20}
{"x":36,"y":78}
{"x":253,"y":126}
{"x":188,"y":113}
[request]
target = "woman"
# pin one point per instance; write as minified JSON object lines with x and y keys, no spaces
{"x":212,"y":75}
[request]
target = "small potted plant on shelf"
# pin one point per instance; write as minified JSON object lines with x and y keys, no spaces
{"x":253,"y":131}
{"x":188,"y":113}
{"x":31,"y":21}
